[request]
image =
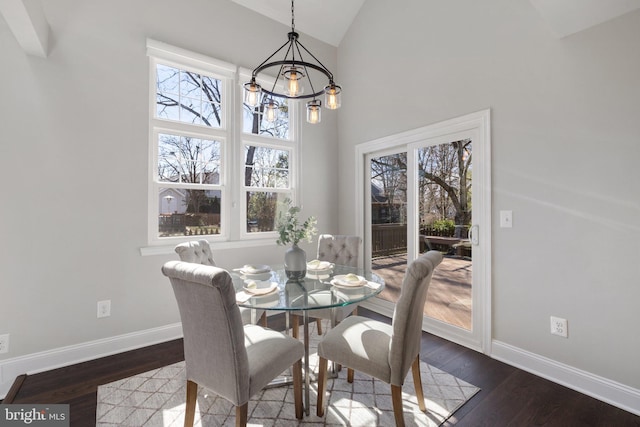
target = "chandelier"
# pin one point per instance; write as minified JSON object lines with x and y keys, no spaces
{"x":295,"y":75}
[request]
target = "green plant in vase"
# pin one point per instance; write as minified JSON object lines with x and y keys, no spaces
{"x":292,"y":231}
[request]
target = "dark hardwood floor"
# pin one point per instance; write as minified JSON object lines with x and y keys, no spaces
{"x":509,"y":396}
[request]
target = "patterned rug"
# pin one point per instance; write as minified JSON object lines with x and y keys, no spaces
{"x":157,"y":398}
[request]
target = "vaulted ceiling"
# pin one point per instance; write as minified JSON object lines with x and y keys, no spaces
{"x":327,"y":20}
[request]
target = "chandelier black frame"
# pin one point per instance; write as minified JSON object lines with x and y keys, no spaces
{"x":293,"y":68}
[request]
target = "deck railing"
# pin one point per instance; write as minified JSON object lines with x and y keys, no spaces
{"x":391,"y":239}
{"x":388,"y":239}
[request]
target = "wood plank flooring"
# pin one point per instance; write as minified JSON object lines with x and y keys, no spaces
{"x":509,"y":396}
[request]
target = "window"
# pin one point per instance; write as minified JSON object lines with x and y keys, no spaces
{"x":194,"y":182}
{"x":267,"y":176}
{"x":266,"y":184}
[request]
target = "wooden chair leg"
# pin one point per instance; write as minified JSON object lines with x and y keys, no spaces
{"x":417,"y":382}
{"x":263,"y":319}
{"x":319,"y":326}
{"x":350,"y":373}
{"x":297,"y":388}
{"x":322,"y":384}
{"x":396,"y":399}
{"x":190,"y":411}
{"x":241,"y":415}
{"x":295,"y":325}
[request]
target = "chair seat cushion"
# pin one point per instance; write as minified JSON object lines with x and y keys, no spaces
{"x":269,"y":354}
{"x":359,"y":343}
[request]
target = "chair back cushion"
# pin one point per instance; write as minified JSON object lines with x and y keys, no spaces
{"x":408,"y":314}
{"x":342,"y":250}
{"x":197,"y":251}
{"x":214,"y":350}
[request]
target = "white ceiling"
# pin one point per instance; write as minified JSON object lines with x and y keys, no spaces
{"x":326,"y":20}
{"x":329,"y":20}
{"x":567,"y":17}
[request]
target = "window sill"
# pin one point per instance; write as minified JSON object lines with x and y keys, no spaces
{"x":238,"y":244}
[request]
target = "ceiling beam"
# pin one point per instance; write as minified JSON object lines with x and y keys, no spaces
{"x":29,"y":26}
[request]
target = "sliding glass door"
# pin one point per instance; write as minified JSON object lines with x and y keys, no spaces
{"x":421,"y":195}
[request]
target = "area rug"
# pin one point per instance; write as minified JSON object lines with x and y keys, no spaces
{"x":157,"y":398}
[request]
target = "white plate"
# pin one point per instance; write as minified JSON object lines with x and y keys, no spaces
{"x":254,"y":269}
{"x":260,"y":276}
{"x":322,"y":266}
{"x":262,"y":287}
{"x":340,"y":281}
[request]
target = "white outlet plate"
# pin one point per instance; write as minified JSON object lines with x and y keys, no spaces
{"x":4,"y":343}
{"x":506,"y":219}
{"x":104,"y":308}
{"x":559,"y":326}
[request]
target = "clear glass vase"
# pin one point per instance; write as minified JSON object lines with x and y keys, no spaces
{"x":295,"y":263}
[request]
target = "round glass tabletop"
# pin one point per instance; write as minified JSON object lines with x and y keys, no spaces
{"x":331,"y":287}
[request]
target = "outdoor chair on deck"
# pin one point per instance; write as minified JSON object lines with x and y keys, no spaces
{"x":199,"y":252}
{"x":233,"y":360}
{"x":341,"y":250}
{"x":385,"y":352}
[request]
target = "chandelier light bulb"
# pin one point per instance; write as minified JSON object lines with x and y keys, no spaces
{"x":271,"y":111}
{"x":293,"y":76}
{"x":332,"y":96}
{"x":314,"y":111}
{"x":252,"y":92}
{"x":293,"y":84}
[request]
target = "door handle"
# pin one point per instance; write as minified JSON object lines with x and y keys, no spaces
{"x":473,"y":235}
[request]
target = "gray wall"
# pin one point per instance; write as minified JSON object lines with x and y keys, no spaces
{"x":74,"y":165}
{"x":565,"y":141}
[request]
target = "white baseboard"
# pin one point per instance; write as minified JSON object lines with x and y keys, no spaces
{"x":65,"y":356}
{"x":614,"y":393}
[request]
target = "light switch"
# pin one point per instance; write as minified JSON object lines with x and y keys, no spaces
{"x":506,"y":219}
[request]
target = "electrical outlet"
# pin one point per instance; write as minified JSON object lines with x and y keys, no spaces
{"x":4,"y":343}
{"x":559,"y":326}
{"x":104,"y":308}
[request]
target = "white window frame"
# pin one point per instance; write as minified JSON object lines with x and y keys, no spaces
{"x":290,"y":145}
{"x":161,"y":53}
{"x":233,"y":140}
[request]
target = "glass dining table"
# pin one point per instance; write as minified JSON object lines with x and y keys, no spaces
{"x":329,"y":289}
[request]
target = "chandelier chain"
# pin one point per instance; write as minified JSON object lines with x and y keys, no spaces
{"x":293,"y":19}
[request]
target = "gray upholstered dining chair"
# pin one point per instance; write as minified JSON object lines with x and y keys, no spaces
{"x":378,"y":349}
{"x":199,"y":252}
{"x":341,"y":250}
{"x":233,"y":360}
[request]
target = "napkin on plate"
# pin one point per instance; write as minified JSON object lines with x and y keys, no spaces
{"x":242,"y":297}
{"x":318,"y":265}
{"x":350,"y":280}
{"x":254,"y":269}
{"x":259,"y":287}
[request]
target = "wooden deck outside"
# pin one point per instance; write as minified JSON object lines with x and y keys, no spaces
{"x":449,"y":295}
